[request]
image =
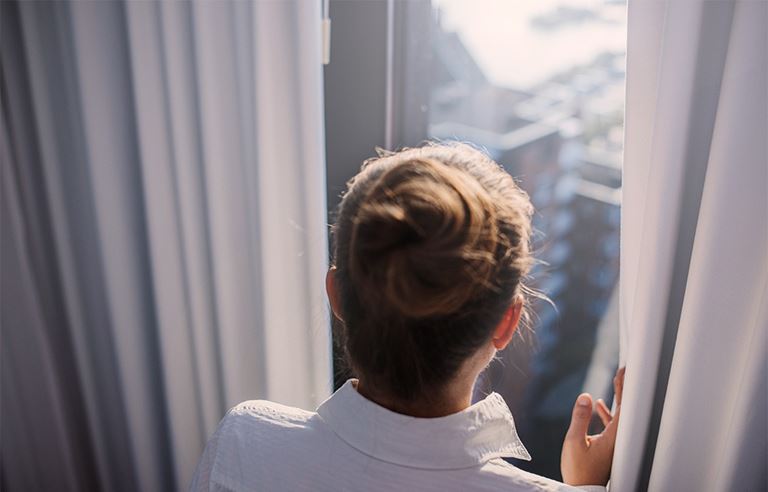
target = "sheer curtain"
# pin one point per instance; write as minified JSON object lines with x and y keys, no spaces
{"x":164,"y":237}
{"x":694,"y":248}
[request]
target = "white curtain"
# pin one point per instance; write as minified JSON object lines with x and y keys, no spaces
{"x":179,"y":171}
{"x":694,"y":269}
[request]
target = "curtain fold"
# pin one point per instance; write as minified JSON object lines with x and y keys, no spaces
{"x":179,"y":176}
{"x":720,"y":353}
{"x":694,"y":242}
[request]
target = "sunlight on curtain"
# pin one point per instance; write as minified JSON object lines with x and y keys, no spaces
{"x":694,"y":242}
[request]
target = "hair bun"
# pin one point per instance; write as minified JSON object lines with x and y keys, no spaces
{"x":424,"y":240}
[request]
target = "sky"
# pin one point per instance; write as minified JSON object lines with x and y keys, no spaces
{"x":515,"y":53}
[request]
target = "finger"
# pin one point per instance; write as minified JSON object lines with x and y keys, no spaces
{"x":603,"y":412}
{"x":582,"y":413}
{"x":612,"y":429}
{"x":618,"y":384}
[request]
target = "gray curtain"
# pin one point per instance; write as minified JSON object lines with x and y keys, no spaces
{"x":63,"y":423}
{"x":163,"y":202}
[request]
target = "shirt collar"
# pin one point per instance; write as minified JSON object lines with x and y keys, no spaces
{"x":484,"y":431}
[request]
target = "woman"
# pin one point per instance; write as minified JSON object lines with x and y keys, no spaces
{"x":431,"y":249}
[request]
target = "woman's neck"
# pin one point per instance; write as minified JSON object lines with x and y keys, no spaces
{"x":453,"y":399}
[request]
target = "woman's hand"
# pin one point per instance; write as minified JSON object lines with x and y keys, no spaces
{"x":586,"y":460}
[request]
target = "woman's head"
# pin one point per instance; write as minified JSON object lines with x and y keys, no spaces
{"x":431,"y":247}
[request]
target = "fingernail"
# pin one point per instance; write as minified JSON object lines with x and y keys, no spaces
{"x":583,"y":401}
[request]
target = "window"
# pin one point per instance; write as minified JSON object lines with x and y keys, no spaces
{"x":540,"y":86}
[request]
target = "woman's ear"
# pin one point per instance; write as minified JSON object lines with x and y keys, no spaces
{"x":506,"y":328}
{"x":333,"y":295}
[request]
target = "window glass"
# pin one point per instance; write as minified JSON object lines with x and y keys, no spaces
{"x":540,"y":86}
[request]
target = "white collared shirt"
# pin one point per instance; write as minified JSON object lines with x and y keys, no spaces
{"x":353,"y":444}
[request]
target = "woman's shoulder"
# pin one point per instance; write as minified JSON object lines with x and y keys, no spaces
{"x":268,"y":409}
{"x":519,"y":479}
{"x":264,"y":414}
{"x":253,"y":440}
